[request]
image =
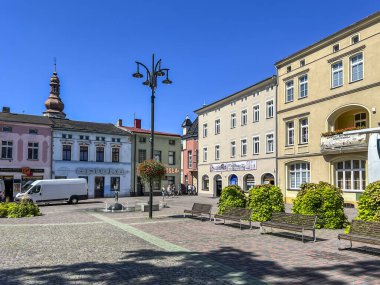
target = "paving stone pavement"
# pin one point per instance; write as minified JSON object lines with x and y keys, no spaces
{"x":79,"y":244}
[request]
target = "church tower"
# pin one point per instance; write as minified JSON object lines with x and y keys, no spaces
{"x":54,"y":105}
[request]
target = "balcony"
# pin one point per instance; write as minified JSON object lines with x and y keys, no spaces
{"x":340,"y":143}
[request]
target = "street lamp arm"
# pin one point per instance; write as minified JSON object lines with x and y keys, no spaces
{"x":158,"y":64}
{"x":146,"y":68}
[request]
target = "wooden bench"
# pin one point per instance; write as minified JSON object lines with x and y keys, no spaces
{"x":199,"y":209}
{"x":365,"y":232}
{"x":235,"y":214}
{"x":291,"y":222}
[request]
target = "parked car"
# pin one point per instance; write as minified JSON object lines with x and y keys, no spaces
{"x":59,"y":190}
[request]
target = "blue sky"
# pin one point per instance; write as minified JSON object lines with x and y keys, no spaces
{"x":213,"y":48}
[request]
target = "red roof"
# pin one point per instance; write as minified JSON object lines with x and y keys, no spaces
{"x":143,"y":131}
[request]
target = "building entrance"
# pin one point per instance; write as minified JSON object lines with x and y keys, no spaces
{"x":99,"y":187}
{"x":8,"y":183}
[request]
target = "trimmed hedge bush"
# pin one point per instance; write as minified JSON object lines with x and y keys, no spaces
{"x":18,"y":210}
{"x":369,"y":203}
{"x":265,"y":200}
{"x":325,"y":201}
{"x":232,"y":196}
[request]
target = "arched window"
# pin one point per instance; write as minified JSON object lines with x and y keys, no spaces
{"x":233,"y":180}
{"x":350,"y":175}
{"x":267,"y":178}
{"x":249,"y":182}
{"x":205,"y":183}
{"x":298,"y":173}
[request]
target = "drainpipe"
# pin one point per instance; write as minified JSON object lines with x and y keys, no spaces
{"x":134,"y":166}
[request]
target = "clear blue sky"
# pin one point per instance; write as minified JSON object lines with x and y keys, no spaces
{"x":213,"y":48}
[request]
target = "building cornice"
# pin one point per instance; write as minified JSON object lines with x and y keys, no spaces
{"x":335,"y":58}
{"x":296,"y":75}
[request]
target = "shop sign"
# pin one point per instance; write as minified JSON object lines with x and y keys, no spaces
{"x":21,"y":170}
{"x":234,"y":166}
{"x":341,"y":140}
{"x":102,"y":171}
{"x":172,"y":170}
{"x":26,"y":171}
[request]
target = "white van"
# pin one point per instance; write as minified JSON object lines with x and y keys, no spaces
{"x":55,"y":190}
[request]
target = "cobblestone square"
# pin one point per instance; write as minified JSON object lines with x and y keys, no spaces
{"x":80,"y":244}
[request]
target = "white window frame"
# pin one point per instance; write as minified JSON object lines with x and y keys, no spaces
{"x":217,"y":152}
{"x":233,"y":148}
{"x":33,"y":146}
{"x":244,"y":117}
{"x":269,"y":109}
{"x":7,"y":145}
{"x":351,"y":170}
{"x":289,"y":131}
{"x":360,"y":121}
{"x":302,"y":127}
{"x":243,"y":147}
{"x":339,"y":71}
{"x":267,"y":145}
{"x":204,"y":154}
{"x":359,"y":63}
{"x":303,"y":93}
{"x":256,"y":145}
{"x":205,"y":130}
{"x":256,"y":113}
{"x":289,"y":91}
{"x":217,"y":126}
{"x":190,"y":159}
{"x":233,"y":120}
{"x":301,"y":171}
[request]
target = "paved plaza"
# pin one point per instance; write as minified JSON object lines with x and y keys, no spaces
{"x":79,"y":244}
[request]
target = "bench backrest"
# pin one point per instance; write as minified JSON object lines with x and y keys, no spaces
{"x":244,"y":213}
{"x":204,"y":208}
{"x":294,"y":219}
{"x":371,"y":229}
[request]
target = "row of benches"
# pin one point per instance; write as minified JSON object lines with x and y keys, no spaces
{"x":366,"y":232}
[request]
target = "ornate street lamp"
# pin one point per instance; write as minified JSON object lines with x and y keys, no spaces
{"x":151,"y":82}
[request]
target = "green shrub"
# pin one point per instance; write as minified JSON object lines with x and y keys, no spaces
{"x":325,"y":201}
{"x":265,"y":200}
{"x":369,"y":203}
{"x":18,"y":210}
{"x":232,"y":196}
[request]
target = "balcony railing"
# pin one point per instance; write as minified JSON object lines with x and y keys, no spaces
{"x":341,"y":143}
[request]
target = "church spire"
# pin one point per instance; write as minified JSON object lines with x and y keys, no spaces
{"x":54,"y":105}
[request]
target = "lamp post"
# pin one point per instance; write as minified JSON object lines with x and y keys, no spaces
{"x":151,"y":81}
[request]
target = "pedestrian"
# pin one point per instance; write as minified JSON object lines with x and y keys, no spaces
{"x":163,"y":192}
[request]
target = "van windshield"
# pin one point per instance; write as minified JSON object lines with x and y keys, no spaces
{"x":26,"y":187}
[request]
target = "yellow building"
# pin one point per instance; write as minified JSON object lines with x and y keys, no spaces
{"x":328,"y":87}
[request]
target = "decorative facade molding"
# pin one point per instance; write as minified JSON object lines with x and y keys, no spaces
{"x":296,"y":75}
{"x":346,"y":54}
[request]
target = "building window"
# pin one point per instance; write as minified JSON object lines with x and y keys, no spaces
{"x":142,"y":139}
{"x":299,"y":173}
{"x":350,"y":175}
{"x":356,"y":67}
{"x":157,"y":155}
{"x":217,"y":152}
{"x":233,"y":120}
{"x":270,"y":143}
{"x":243,"y":147}
{"x":303,"y":90}
{"x":115,"y":154}
{"x":100,"y":154}
{"x":302,"y":63}
{"x":244,"y":117}
{"x":83,"y":153}
{"x":360,"y":120}
{"x":205,"y":154}
{"x":205,"y":183}
{"x":101,"y":139}
{"x":6,"y":149}
{"x":256,"y":113}
{"x":171,"y":180}
{"x":142,"y":155}
{"x":290,"y":133}
{"x":355,"y":39}
{"x":256,"y":145}
{"x":205,"y":130}
{"x":66,"y":152}
{"x":337,"y":74}
{"x":84,"y":137}
{"x":217,"y":126}
{"x":7,"y":129}
{"x":336,"y":48}
{"x":171,"y":158}
{"x":115,"y":183}
{"x":171,"y":142}
{"x":189,"y":159}
{"x":33,"y":131}
{"x":288,"y":68}
{"x":270,"y":109}
{"x":304,"y":131}
{"x":289,"y":91}
{"x":233,"y":149}
{"x":33,"y":151}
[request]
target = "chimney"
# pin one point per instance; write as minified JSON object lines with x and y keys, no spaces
{"x":137,"y":123}
{"x":119,"y":123}
{"x":6,"y":110}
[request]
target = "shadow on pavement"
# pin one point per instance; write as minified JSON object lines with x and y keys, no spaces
{"x":161,"y":267}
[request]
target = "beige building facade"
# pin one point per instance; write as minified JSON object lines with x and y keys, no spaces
{"x":323,"y":90}
{"x":236,"y":140}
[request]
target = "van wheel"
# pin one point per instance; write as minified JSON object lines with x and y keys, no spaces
{"x":74,"y":200}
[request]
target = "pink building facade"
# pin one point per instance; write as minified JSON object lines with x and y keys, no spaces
{"x":190,"y":152}
{"x":25,"y":155}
